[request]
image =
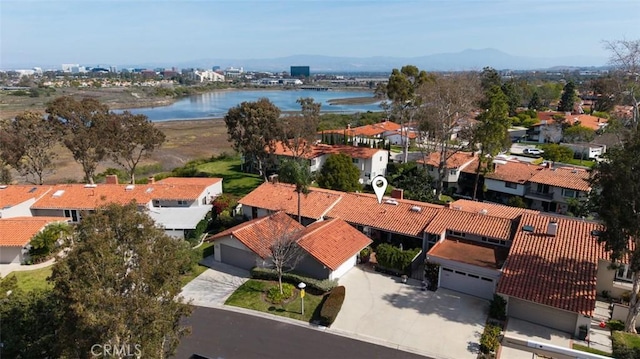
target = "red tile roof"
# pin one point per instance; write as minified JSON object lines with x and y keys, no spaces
{"x":592,"y":122}
{"x":399,"y":216}
{"x":558,"y":271}
{"x":282,"y":197}
{"x":261,"y":233}
{"x":491,"y":209}
{"x":563,"y":177}
{"x":368,"y":130}
{"x":332,"y":242}
{"x":514,"y":171}
{"x":456,"y":160}
{"x":483,"y":225}
{"x":18,"y":231}
{"x":322,"y":149}
{"x":79,"y":196}
{"x":197,"y":181}
{"x":469,"y":252}
{"x":12,"y":195}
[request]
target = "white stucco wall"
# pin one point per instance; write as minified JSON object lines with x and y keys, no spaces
{"x":499,"y":186}
{"x":175,"y":233}
{"x":344,"y":268}
{"x":10,"y":255}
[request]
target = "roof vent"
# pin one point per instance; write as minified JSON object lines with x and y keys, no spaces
{"x":149,"y":190}
{"x":484,"y":211}
{"x":528,"y":228}
{"x":391,"y":201}
{"x":552,"y":228}
{"x":90,"y":185}
{"x":457,"y":208}
{"x":416,"y":209}
{"x":3,"y":186}
{"x":129,"y":187}
{"x":58,"y":193}
{"x":596,"y":233}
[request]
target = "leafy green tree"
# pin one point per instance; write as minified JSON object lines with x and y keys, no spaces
{"x":489,"y":78}
{"x":338,"y":173}
{"x":605,"y":88}
{"x":516,"y":201}
{"x":625,"y":57}
{"x":44,"y":243}
{"x":568,"y":98}
{"x":535,"y":103}
{"x":296,"y":172}
{"x":578,"y":134}
{"x":81,"y":125}
{"x":415,"y":182}
{"x":510,"y":90}
{"x":5,"y":173}
{"x":491,"y":134}
{"x":30,"y":321}
{"x":130,"y":139}
{"x":556,"y":153}
{"x":254,"y":128}
{"x":549,"y":92}
{"x":26,"y":143}
{"x":616,"y":184}
{"x":119,"y":285}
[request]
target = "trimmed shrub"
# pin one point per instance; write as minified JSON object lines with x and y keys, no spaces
{"x":391,"y":257}
{"x":498,"y":308}
{"x":332,"y":305}
{"x":314,"y":286}
{"x":615,"y":325}
{"x":490,"y":339}
{"x":274,"y":295}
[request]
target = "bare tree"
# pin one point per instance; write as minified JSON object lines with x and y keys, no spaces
{"x":299,"y":130}
{"x":447,"y":103}
{"x":280,"y":234}
{"x":625,"y":57}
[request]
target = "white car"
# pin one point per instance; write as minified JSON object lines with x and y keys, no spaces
{"x":532,"y":151}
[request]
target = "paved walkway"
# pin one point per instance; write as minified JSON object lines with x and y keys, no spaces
{"x":441,"y":324}
{"x":6,"y":269}
{"x":215,"y":285}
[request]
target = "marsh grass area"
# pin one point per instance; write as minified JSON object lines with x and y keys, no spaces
{"x":251,"y":295}
{"x":234,"y":181}
{"x":353,"y":101}
{"x":29,"y":280}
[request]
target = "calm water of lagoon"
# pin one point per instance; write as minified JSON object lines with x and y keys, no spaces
{"x":216,"y":104}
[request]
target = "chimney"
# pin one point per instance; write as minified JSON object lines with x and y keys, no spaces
{"x":273,"y":178}
{"x":552,"y":228}
{"x":111,"y":179}
{"x":397,"y":193}
{"x":151,"y":180}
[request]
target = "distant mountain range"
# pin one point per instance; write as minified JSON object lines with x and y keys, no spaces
{"x":469,"y":59}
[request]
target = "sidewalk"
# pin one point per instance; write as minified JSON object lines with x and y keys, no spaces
{"x":6,"y":269}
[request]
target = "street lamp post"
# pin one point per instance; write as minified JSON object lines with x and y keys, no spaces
{"x":302,"y":286}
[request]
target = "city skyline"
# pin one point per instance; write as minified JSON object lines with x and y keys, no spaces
{"x":46,"y":33}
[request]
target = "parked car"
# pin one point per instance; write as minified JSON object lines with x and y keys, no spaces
{"x":532,"y":151}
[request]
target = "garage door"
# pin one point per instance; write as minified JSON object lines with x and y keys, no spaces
{"x":543,"y":315}
{"x":237,"y":257}
{"x":467,"y":283}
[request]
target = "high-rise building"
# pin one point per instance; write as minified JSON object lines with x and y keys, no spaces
{"x":300,"y":71}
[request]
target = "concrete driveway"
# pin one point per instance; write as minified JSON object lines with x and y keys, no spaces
{"x":213,"y":287}
{"x":441,"y":324}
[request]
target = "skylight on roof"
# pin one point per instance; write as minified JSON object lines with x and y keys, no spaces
{"x":58,"y":193}
{"x":528,"y":228}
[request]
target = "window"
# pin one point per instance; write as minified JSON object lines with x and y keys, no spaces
{"x":453,"y":172}
{"x":569,"y":193}
{"x":156,"y":203}
{"x":457,"y":234}
{"x":73,"y":214}
{"x":447,"y":270}
{"x":380,"y":158}
{"x":355,"y":160}
{"x":430,"y":167}
{"x":367,"y":174}
{"x":313,"y":162}
{"x":181,"y":202}
{"x":511,"y":185}
{"x":624,"y":274}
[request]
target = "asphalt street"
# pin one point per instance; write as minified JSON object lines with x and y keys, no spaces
{"x":221,"y":334}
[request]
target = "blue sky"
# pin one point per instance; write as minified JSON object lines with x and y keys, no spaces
{"x":136,"y":31}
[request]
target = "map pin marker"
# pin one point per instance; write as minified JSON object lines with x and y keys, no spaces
{"x":379,"y":185}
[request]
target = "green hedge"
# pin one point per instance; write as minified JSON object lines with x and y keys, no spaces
{"x":314,"y":286}
{"x":391,"y":257}
{"x":332,"y":305}
{"x":490,"y":339}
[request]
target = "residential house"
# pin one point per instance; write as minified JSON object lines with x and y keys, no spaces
{"x":550,"y":277}
{"x":329,"y":248}
{"x":471,"y":248}
{"x":17,"y":232}
{"x":550,"y":127}
{"x":370,"y":162}
{"x":509,"y":178}
{"x":552,"y":189}
{"x":16,"y":200}
{"x":176,"y":204}
{"x":367,"y":134}
{"x":455,"y":165}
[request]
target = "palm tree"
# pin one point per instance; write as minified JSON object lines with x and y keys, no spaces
{"x":296,"y":172}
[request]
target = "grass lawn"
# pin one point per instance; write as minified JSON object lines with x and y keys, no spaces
{"x":235,"y":181}
{"x":625,"y":340}
{"x":584,"y":163}
{"x":205,"y":250}
{"x":33,"y":279}
{"x":590,"y":350}
{"x":250,"y":296}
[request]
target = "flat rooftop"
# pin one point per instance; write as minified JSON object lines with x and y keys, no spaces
{"x":469,"y":252}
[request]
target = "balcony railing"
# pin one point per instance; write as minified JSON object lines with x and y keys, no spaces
{"x":543,"y":195}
